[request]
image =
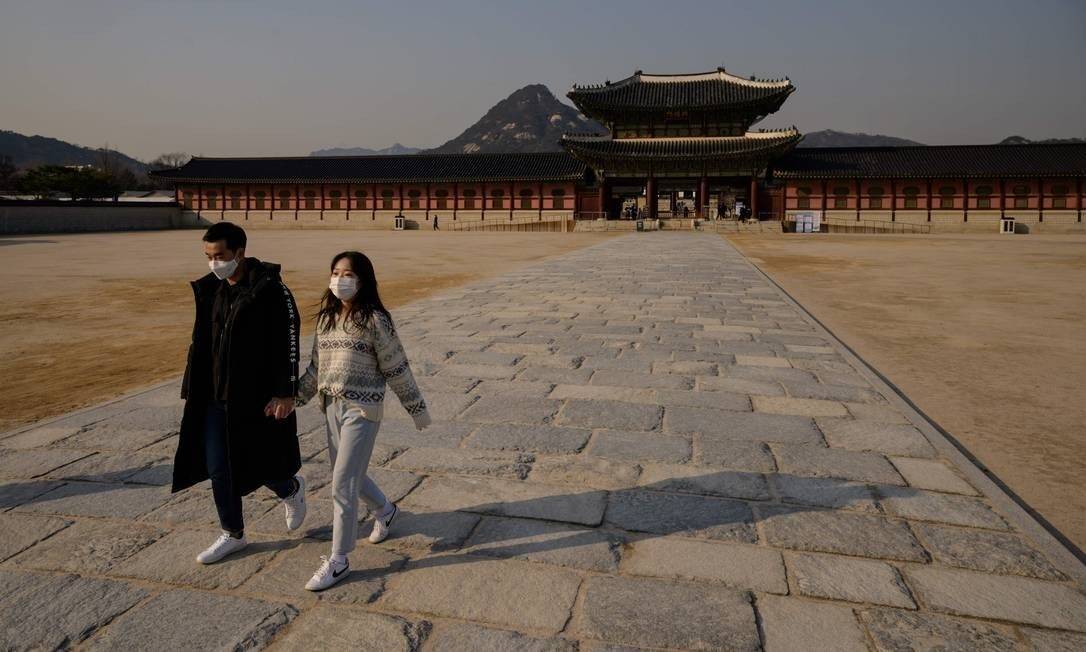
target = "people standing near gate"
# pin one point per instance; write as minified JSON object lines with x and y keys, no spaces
{"x":356,"y":351}
{"x":238,"y":427}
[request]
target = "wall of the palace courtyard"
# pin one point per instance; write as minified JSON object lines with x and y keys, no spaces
{"x":66,"y":217}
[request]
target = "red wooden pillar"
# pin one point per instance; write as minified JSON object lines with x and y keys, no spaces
{"x":965,"y":200}
{"x":323,"y":193}
{"x":512,"y":199}
{"x":754,"y":196}
{"x":373,"y":203}
{"x":199,"y":199}
{"x":650,"y":195}
{"x":248,"y":198}
{"x":928,"y":203}
{"x":605,"y":197}
{"x":456,"y":198}
{"x":823,"y":199}
{"x":297,"y":200}
{"x":1002,"y":198}
{"x":1079,"y":202}
{"x":427,"y":202}
{"x":1040,"y":200}
{"x":858,"y":200}
{"x":703,"y":196}
{"x":541,"y":201}
{"x":271,"y":192}
{"x":893,"y":200}
{"x":348,"y":202}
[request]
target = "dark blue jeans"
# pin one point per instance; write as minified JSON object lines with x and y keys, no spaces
{"x":228,"y":501}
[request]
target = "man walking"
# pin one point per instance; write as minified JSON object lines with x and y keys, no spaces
{"x":238,"y":427}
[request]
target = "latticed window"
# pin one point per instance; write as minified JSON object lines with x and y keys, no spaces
{"x":469,"y":199}
{"x":386,"y":199}
{"x":1021,"y":196}
{"x":258,"y":198}
{"x":946,"y":197}
{"x":911,"y":193}
{"x":360,"y":198}
{"x":235,"y":200}
{"x":526,"y":198}
{"x":558,"y":198}
{"x":186,"y":200}
{"x":212,"y":200}
{"x":442,"y":197}
{"x":284,"y":199}
{"x":413,"y":200}
{"x":874,"y":197}
{"x":1059,"y":196}
{"x":840,"y":197}
{"x":310,"y":199}
{"x":803,"y":197}
{"x":984,"y":196}
{"x":497,"y":198}
{"x":335,"y":196}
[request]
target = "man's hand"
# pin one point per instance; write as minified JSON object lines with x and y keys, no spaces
{"x":280,"y":408}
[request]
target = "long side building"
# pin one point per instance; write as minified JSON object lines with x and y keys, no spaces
{"x":676,"y":147}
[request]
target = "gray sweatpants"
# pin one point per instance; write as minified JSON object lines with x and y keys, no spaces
{"x":350,"y":445}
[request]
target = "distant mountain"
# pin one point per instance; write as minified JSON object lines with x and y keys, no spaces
{"x":1019,"y":140}
{"x":530,"y":120}
{"x":365,"y":151}
{"x":831,"y":138}
{"x":31,"y":151}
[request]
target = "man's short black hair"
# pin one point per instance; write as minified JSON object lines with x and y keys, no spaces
{"x":233,"y":234}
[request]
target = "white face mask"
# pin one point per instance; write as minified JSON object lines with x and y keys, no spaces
{"x":344,"y":287}
{"x":223,"y":269}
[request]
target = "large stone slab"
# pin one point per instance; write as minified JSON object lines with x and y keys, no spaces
{"x":818,"y":462}
{"x":864,"y":435}
{"x":746,"y":567}
{"x":792,"y":625}
{"x":999,"y":597}
{"x":599,"y":392}
{"x":824,"y":492}
{"x":905,"y":631}
{"x":22,"y":531}
{"x":99,"y":499}
{"x":740,"y":455}
{"x":614,"y":415}
{"x":709,"y":481}
{"x":654,"y":613}
{"x":698,"y":516}
{"x":108,"y":466}
{"x":497,"y":464}
{"x":517,"y":594}
{"x":89,"y":547}
{"x":337,"y":628}
{"x":540,"y":439}
{"x":585,"y":471}
{"x":172,"y":560}
{"x":942,"y":508}
{"x":743,"y":426}
{"x":549,"y":543}
{"x":50,"y":612}
{"x":455,"y":637}
{"x":196,"y":621}
{"x":1047,"y":640}
{"x":839,"y":532}
{"x":285,"y":577}
{"x":984,"y":550}
{"x":36,"y":462}
{"x":510,"y":498}
{"x":846,"y":578}
{"x":426,"y":531}
{"x":638,"y":446}
{"x":933,"y":475}
{"x":402,"y":434}
{"x":21,"y":492}
{"x":512,"y":408}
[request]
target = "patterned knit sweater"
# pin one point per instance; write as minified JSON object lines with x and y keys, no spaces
{"x":354,"y":364}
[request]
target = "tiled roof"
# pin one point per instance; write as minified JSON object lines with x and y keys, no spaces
{"x":934,"y":161}
{"x":754,"y":145}
{"x":556,"y":166}
{"x":710,"y":91}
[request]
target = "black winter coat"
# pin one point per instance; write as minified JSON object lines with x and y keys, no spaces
{"x":260,"y":352}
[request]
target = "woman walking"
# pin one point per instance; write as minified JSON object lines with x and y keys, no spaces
{"x":355,"y":352}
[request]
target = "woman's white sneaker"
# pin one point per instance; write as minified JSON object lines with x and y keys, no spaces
{"x":295,"y":505}
{"x":329,"y":574}
{"x":223,"y":546}
{"x":382,"y":525}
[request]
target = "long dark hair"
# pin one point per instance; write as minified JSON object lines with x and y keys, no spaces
{"x":364,"y":306}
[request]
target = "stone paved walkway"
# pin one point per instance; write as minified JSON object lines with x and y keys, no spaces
{"x":642,"y":444}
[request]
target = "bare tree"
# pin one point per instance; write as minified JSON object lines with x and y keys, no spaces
{"x":169,"y":161}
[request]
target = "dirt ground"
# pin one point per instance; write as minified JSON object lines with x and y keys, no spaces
{"x":985,"y":333}
{"x":84,"y":318}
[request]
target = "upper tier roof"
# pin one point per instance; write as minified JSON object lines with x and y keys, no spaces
{"x":933,"y":161}
{"x":556,"y":166}
{"x":714,"y":91}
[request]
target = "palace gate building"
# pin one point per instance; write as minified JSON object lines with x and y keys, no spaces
{"x":677,"y":147}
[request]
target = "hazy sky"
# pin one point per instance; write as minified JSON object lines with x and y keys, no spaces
{"x":284,"y":78}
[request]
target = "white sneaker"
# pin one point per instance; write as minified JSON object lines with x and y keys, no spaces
{"x":382,"y":525}
{"x":223,"y":546}
{"x":329,"y":574}
{"x":295,"y":505}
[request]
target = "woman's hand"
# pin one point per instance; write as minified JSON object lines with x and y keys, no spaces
{"x":280,"y":408}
